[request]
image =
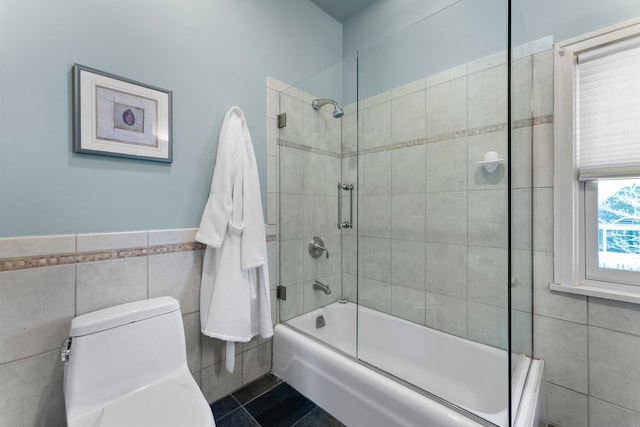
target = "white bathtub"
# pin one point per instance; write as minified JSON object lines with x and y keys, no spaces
{"x":472,"y":376}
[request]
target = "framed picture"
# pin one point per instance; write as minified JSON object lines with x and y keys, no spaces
{"x":114,"y":116}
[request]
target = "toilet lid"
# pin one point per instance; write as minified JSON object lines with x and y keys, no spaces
{"x":168,"y":404}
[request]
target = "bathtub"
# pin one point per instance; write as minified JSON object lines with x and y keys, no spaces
{"x":470,"y":375}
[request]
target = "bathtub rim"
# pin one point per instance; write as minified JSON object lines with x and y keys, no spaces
{"x":392,"y":377}
{"x":522,"y":372}
{"x":316,"y":339}
{"x":529,"y":405}
{"x":428,"y":394}
{"x":424,"y":393}
{"x":385,"y":375}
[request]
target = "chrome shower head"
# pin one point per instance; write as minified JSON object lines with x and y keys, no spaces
{"x":318,"y":103}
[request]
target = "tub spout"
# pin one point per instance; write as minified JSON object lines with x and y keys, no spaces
{"x":319,"y":286}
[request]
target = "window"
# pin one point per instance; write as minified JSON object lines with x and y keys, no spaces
{"x":612,"y":230}
{"x":597,"y":165}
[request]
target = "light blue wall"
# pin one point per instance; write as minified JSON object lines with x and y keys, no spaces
{"x":398,"y":45}
{"x":211,"y":53}
{"x":570,"y":18}
{"x":385,"y":18}
{"x":403,"y":40}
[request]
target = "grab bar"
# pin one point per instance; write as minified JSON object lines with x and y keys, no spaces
{"x":349,"y":188}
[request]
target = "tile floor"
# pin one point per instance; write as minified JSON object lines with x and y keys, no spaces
{"x":268,"y":401}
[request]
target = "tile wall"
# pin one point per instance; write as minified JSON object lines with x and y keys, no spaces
{"x":591,"y":346}
{"x":308,"y":165}
{"x":45,"y":281}
{"x":433,"y":223}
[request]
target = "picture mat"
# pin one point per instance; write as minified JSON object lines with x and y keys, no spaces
{"x":88,"y":106}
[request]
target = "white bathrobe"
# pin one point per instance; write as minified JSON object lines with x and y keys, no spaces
{"x":234,"y":293}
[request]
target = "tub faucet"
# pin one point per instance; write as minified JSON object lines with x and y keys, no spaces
{"x":319,"y":286}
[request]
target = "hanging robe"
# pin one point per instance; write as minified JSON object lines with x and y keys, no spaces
{"x":234,"y":295}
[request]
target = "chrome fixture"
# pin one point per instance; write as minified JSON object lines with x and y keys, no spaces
{"x":343,"y":300}
{"x":316,"y":247}
{"x":319,"y":286}
{"x":337,"y":110}
{"x":320,"y":322}
{"x":65,"y":349}
{"x":349,"y":188}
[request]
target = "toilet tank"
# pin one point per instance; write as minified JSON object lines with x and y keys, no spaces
{"x":121,"y":349}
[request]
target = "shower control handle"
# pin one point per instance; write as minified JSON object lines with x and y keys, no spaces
{"x":349,"y":188}
{"x":316,"y":247}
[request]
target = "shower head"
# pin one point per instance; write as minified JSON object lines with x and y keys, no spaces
{"x":318,"y":103}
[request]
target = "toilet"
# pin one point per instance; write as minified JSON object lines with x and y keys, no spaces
{"x":127,"y":366}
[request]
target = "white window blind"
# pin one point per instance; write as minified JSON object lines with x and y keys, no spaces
{"x":608,"y":111}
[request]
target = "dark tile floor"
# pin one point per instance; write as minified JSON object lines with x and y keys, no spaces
{"x":268,"y":401}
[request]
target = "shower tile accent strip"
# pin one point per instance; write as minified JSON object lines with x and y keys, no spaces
{"x":303,"y":147}
{"x":22,"y":263}
{"x":51,"y":260}
{"x":453,"y":135}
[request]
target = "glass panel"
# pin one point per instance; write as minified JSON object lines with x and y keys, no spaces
{"x":309,"y":157}
{"x":433,"y":203}
{"x":524,"y":52}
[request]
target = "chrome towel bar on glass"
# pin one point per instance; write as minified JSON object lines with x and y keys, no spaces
{"x":349,"y":188}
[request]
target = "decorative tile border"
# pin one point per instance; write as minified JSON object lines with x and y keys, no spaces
{"x":28,"y":262}
{"x":455,"y":135}
{"x":518,"y":124}
{"x":535,"y":121}
{"x":302,"y":147}
{"x":23,"y":263}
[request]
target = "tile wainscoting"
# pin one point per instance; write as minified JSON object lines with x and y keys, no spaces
{"x":45,"y":281}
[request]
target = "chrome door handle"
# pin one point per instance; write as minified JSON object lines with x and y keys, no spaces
{"x":349,"y":188}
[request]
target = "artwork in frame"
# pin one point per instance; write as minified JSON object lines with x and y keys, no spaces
{"x":115,"y":116}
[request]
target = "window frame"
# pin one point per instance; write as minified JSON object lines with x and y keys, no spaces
{"x":571,"y":195}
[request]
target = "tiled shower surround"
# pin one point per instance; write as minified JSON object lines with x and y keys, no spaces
{"x":432,"y":224}
{"x":419,"y":145}
{"x":310,"y":160}
{"x":45,"y":281}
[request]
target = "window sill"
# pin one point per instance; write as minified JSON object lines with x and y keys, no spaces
{"x":624,"y":293}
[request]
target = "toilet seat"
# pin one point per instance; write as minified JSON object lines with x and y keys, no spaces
{"x":174,"y":402}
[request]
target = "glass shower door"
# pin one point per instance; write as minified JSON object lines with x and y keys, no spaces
{"x":394,"y":205}
{"x":433,"y":208}
{"x":315,"y":208}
